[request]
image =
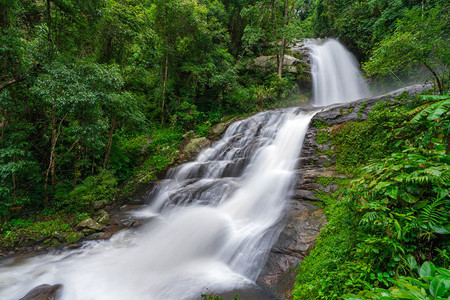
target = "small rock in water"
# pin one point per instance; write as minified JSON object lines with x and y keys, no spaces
{"x":136,"y":224}
{"x":74,"y":246}
{"x":43,"y":292}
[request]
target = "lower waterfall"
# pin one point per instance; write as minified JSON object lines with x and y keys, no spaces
{"x":209,"y":224}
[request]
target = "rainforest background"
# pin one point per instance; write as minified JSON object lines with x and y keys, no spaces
{"x":96,"y":96}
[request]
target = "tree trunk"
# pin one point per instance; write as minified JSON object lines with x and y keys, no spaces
{"x":164,"y":87}
{"x":4,"y":18}
{"x":14,"y":186}
{"x":56,"y":131}
{"x":52,"y":154}
{"x":283,"y":42}
{"x":49,"y":22}
{"x":438,"y":81}
{"x":108,"y":147}
{"x":77,"y":168}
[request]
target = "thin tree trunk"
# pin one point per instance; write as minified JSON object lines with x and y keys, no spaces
{"x":164,"y":87}
{"x":49,"y":21}
{"x":283,"y":42}
{"x":4,"y":18}
{"x":52,"y":150}
{"x":77,"y":168}
{"x":14,"y":186}
{"x":438,"y":81}
{"x":110,"y":139}
{"x":56,"y":131}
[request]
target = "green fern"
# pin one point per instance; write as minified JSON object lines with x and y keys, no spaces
{"x":433,"y":111}
{"x":435,"y":214}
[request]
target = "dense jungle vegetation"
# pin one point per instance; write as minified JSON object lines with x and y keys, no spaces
{"x":94,"y":94}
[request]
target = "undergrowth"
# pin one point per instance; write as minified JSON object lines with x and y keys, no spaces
{"x":395,"y":209}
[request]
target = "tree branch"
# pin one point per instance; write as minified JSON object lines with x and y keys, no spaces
{"x":12,"y":81}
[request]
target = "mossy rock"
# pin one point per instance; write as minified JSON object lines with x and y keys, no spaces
{"x":74,"y":237}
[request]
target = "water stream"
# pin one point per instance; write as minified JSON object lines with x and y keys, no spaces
{"x":335,"y":73}
{"x":209,"y":224}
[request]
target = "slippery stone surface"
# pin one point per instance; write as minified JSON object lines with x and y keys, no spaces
{"x":43,"y":292}
{"x":303,"y":223}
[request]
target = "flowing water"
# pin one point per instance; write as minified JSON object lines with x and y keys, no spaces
{"x":211,"y":223}
{"x":335,"y":73}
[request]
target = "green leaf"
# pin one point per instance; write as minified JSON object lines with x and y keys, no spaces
{"x":443,"y":271}
{"x":439,"y":109}
{"x":439,"y":230}
{"x":439,"y":286}
{"x":412,"y":263}
{"x":434,"y":97}
{"x":427,"y":269}
{"x":392,"y":191}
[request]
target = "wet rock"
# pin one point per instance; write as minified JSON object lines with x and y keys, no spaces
{"x":74,"y":246}
{"x":44,"y":292}
{"x":306,"y":195}
{"x":107,"y":235}
{"x":194,"y":147}
{"x":94,"y":236}
{"x":219,"y":128}
{"x":303,"y":223}
{"x":59,"y":237}
{"x":103,"y":217}
{"x":91,"y":224}
{"x":136,"y":224}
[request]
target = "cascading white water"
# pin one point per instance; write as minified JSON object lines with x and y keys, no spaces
{"x":212,"y":224}
{"x":335,"y":73}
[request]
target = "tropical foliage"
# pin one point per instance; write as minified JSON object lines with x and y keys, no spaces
{"x":396,"y":209}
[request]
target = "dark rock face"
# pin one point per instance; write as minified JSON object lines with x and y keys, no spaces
{"x":303,"y":220}
{"x":44,"y":292}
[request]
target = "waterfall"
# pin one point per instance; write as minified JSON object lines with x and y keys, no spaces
{"x":210,"y":224}
{"x":335,"y":73}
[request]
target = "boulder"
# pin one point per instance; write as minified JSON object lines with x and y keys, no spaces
{"x":219,"y":129}
{"x":44,"y":292}
{"x":91,"y":224}
{"x":270,"y":62}
{"x":103,"y":217}
{"x":194,"y":147}
{"x":265,"y":62}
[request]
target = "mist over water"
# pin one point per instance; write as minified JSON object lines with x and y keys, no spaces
{"x":335,"y":73}
{"x":211,"y":224}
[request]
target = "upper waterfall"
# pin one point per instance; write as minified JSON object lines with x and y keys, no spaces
{"x":335,"y":73}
